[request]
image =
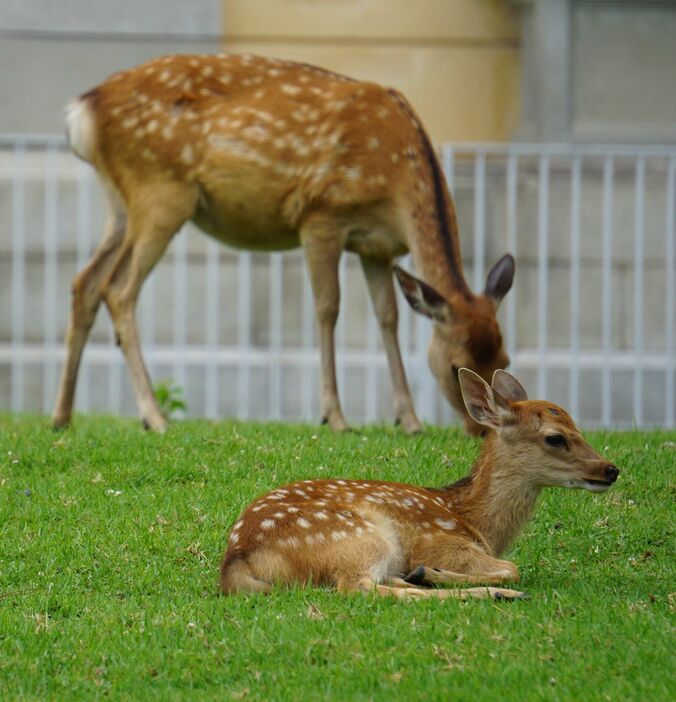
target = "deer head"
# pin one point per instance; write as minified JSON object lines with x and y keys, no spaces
{"x":466,"y":333}
{"x":537,"y":439}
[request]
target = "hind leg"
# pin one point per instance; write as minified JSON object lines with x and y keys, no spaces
{"x":86,"y":298}
{"x":153,"y":221}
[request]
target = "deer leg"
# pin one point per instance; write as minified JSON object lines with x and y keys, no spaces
{"x":323,"y":248}
{"x":148,"y":235}
{"x":86,"y":298}
{"x":367,"y":585}
{"x":381,"y":288}
{"x":423,"y":575}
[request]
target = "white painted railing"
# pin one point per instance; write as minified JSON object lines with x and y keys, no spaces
{"x":590,"y":323}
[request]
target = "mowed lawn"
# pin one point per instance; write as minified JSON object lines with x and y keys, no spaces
{"x":111,"y":538}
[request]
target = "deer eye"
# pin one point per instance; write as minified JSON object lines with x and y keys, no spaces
{"x":556,"y":440}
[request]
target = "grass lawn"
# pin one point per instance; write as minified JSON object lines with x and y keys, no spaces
{"x":110,"y":541}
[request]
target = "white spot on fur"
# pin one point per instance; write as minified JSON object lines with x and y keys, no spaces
{"x":268,"y":524}
{"x":290,"y":89}
{"x":238,"y":525}
{"x":234,"y":538}
{"x":130,"y":122}
{"x":303,"y":523}
{"x":447,"y":524}
{"x":373,"y":143}
{"x":187,"y":154}
{"x":164,"y":76}
{"x":292,"y":510}
{"x":259,"y":507}
{"x":321,"y":515}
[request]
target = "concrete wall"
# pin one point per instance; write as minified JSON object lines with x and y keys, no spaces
{"x":51,"y":51}
{"x":598,"y":70}
{"x":457,"y":61}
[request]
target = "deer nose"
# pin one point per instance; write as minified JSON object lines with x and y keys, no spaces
{"x":611,"y":473}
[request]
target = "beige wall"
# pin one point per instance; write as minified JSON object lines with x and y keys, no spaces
{"x":456,"y":60}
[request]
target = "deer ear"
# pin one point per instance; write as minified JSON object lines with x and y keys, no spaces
{"x":479,"y":399}
{"x":500,"y":279}
{"x":422,"y":297}
{"x":508,"y":386}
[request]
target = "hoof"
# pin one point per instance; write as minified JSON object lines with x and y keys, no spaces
{"x":510,"y":596}
{"x":417,"y":576}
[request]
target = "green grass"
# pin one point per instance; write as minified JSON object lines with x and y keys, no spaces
{"x":110,"y":541}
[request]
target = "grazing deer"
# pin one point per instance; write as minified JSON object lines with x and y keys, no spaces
{"x":267,"y":155}
{"x":370,"y":535}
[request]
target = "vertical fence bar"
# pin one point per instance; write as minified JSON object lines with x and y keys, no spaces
{"x":83,"y":230}
{"x":405,"y":329}
{"x":606,"y":283}
{"x":211,"y":333}
{"x":51,"y":211}
{"x":575,"y":191}
{"x":276,"y":310}
{"x":511,"y":185}
{"x":18,"y":277}
{"x":638,"y":289}
{"x":370,"y":397}
{"x":448,"y":166}
{"x":670,"y":302}
{"x":543,"y":273}
{"x":243,"y":332}
{"x":180,"y":293}
{"x":479,"y":219}
{"x":307,"y":368}
{"x":341,"y":344}
{"x":147,"y":316}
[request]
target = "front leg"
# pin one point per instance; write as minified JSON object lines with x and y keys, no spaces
{"x":423,"y":575}
{"x":381,"y":289}
{"x":323,"y":246}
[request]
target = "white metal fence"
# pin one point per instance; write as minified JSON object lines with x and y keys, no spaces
{"x":589,"y":324}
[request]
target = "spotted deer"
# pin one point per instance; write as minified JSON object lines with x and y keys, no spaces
{"x":265,"y":154}
{"x":392,"y":538}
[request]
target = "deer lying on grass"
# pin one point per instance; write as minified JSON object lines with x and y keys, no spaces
{"x":268,"y":155}
{"x":390,"y":538}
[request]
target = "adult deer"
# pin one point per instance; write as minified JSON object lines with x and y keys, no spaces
{"x":366,"y":535}
{"x":267,"y":154}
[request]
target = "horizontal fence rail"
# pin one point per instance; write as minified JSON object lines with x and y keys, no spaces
{"x":589,"y":323}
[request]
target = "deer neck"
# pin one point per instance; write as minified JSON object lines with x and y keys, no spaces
{"x":436,"y":243}
{"x":495,"y":499}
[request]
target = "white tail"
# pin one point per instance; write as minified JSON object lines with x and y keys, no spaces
{"x":266,"y":154}
{"x":362,"y":535}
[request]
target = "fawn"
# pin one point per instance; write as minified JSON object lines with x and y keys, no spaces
{"x":265,"y":154}
{"x":392,"y":538}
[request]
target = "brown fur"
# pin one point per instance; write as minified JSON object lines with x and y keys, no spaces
{"x":266,"y":155}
